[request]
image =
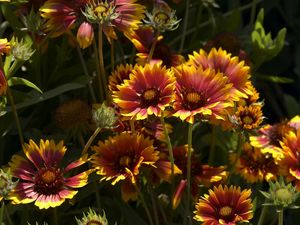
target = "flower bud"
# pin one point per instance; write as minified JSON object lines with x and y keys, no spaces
{"x":21,"y":50}
{"x":92,"y":218}
{"x":85,"y":35}
{"x":162,"y":19}
{"x":104,"y":116}
{"x":282,"y":195}
{"x":179,"y":193}
{"x":3,"y":83}
{"x":6,"y":183}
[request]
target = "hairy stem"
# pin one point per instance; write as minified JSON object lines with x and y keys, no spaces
{"x":90,"y":141}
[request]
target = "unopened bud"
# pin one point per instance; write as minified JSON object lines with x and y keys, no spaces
{"x":104,"y":116}
{"x":85,"y":35}
{"x":21,"y":50}
{"x":3,"y":83}
{"x":92,"y":218}
{"x":179,"y":193}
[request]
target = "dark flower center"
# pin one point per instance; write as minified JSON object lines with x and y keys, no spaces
{"x":278,"y":131}
{"x":161,"y":17}
{"x":94,"y":222}
{"x":193,"y":100}
{"x":100,"y":9}
{"x":48,"y":181}
{"x":125,"y":161}
{"x":247,"y":119}
{"x":150,"y":97}
{"x":225,"y":211}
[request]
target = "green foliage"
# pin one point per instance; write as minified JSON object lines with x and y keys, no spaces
{"x":264,"y":47}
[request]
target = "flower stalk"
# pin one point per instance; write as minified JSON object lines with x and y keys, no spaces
{"x":15,"y":114}
{"x":189,"y":157}
{"x":90,"y":141}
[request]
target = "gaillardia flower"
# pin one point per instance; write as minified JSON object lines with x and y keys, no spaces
{"x":143,"y":39}
{"x":201,"y":174}
{"x":41,"y":178}
{"x":4,"y":46}
{"x":118,"y":76}
{"x":201,"y":93}
{"x":248,"y":117}
{"x":121,"y":157}
{"x":290,"y":160}
{"x":222,"y":62}
{"x":92,"y":218}
{"x":225,"y":206}
{"x":123,"y":15}
{"x":254,"y":166}
{"x":149,"y":91}
{"x":270,"y":136}
{"x":73,"y":116}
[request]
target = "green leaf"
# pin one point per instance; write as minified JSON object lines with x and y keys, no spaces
{"x":76,"y":84}
{"x":267,"y":195}
{"x":11,"y":17}
{"x":22,"y":81}
{"x":292,"y":105}
{"x":275,"y":79}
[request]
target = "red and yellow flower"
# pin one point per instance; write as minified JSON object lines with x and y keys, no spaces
{"x":121,"y":158}
{"x":143,"y":39}
{"x":62,"y":15}
{"x":4,"y":46}
{"x":118,"y":76}
{"x":201,"y":174}
{"x":222,"y":62}
{"x":41,"y":178}
{"x":248,"y":117}
{"x":269,"y":136}
{"x":148,"y":92}
{"x":201,"y":93}
{"x":254,"y":166}
{"x":290,"y":160}
{"x":225,"y":206}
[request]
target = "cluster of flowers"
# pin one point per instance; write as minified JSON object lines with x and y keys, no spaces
{"x":210,"y":87}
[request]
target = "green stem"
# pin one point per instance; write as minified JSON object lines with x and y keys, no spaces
{"x":15,"y":66}
{"x":90,"y":141}
{"x":84,"y":67}
{"x":280,"y":217}
{"x":170,"y":149}
{"x":98,"y":202}
{"x":144,"y":205}
{"x":98,"y":70}
{"x":253,"y":12}
{"x":8,"y":217}
{"x":212,"y":146}
{"x":2,"y":211}
{"x":198,"y":20}
{"x":112,"y":54}
{"x":153,"y":47}
{"x":262,"y":215}
{"x":15,"y":113}
{"x":154,"y":208}
{"x":239,"y":148}
{"x":55,"y":217}
{"x":132,"y":127}
{"x":189,"y":166}
{"x":101,"y":58}
{"x":204,"y":24}
{"x":185,"y":24}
